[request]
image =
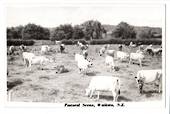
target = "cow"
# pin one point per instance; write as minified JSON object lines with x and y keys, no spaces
{"x":109,"y":61}
{"x":62,"y":48}
{"x":45,"y":49}
{"x":104,"y":83}
{"x":149,"y":76}
{"x":27,"y":57}
{"x":137,"y":56}
{"x":82,"y":63}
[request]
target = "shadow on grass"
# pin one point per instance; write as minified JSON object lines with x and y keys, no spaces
{"x":110,"y":98}
{"x":92,"y":73}
{"x":13,"y":83}
{"x":139,"y":64}
{"x":150,"y":93}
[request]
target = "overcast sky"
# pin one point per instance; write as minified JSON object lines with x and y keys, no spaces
{"x":52,"y":16}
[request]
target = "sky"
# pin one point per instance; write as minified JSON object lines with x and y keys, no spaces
{"x":55,"y":15}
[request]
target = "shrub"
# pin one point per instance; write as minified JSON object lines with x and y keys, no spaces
{"x":18,"y":42}
{"x":127,"y":41}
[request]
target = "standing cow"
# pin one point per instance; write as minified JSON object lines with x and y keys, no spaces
{"x":149,"y":76}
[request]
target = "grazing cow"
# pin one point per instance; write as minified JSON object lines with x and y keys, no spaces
{"x":132,"y":45}
{"x":149,"y":50}
{"x":62,"y":48}
{"x":104,"y":83}
{"x":58,"y":42}
{"x":82,"y":63}
{"x":11,"y":50}
{"x":136,"y":56}
{"x":157,"y":51}
{"x":82,"y":46}
{"x":27,"y":57}
{"x":40,"y":60}
{"x":122,"y":55}
{"x":109,"y":61}
{"x":141,"y":47}
{"x":149,"y":76}
{"x":104,"y":50}
{"x":45,"y":49}
{"x":120,"y":47}
{"x":22,"y":47}
{"x":85,"y":53}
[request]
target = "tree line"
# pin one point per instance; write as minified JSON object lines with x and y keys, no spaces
{"x":89,"y":30}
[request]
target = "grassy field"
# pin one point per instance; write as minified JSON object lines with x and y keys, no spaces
{"x":45,"y":85}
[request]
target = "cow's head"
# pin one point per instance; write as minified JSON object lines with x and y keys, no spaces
{"x":102,"y":51}
{"x":140,"y":84}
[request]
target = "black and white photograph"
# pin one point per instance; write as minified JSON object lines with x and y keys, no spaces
{"x":85,"y":53}
{"x":84,"y":56}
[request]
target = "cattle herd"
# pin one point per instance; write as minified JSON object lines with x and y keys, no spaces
{"x":84,"y":63}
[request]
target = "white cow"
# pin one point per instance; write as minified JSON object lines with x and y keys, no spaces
{"x":132,"y":45}
{"x":40,"y":60}
{"x":136,"y":56}
{"x":85,"y":53}
{"x":122,"y":55}
{"x":57,"y":42}
{"x":62,"y":48}
{"x":82,"y":46}
{"x":22,"y":47}
{"x":104,"y":50}
{"x":82,"y":63}
{"x":27,"y":57}
{"x":104,"y":83}
{"x":157,"y":51}
{"x":11,"y":49}
{"x":109,"y":61}
{"x":149,"y":76}
{"x":45,"y":49}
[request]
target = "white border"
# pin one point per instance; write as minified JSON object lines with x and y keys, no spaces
{"x":148,"y":106}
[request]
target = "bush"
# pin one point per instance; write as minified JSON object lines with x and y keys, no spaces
{"x":20,"y":42}
{"x":126,"y":41}
{"x":68,"y":42}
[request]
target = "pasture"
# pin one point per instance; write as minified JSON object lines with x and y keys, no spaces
{"x":43,"y":84}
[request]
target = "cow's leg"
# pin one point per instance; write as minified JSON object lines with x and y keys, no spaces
{"x":160,"y":85}
{"x":130,"y":61}
{"x":91,"y":93}
{"x":98,"y":95}
{"x":140,"y":62}
{"x":114,"y":96}
{"x":24,"y":61}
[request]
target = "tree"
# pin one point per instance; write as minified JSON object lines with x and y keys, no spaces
{"x":124,"y":31}
{"x":14,"y":32}
{"x":62,"y":32}
{"x":77,"y":32}
{"x":145,"y":34}
{"x":32,"y":31}
{"x":92,"y":30}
